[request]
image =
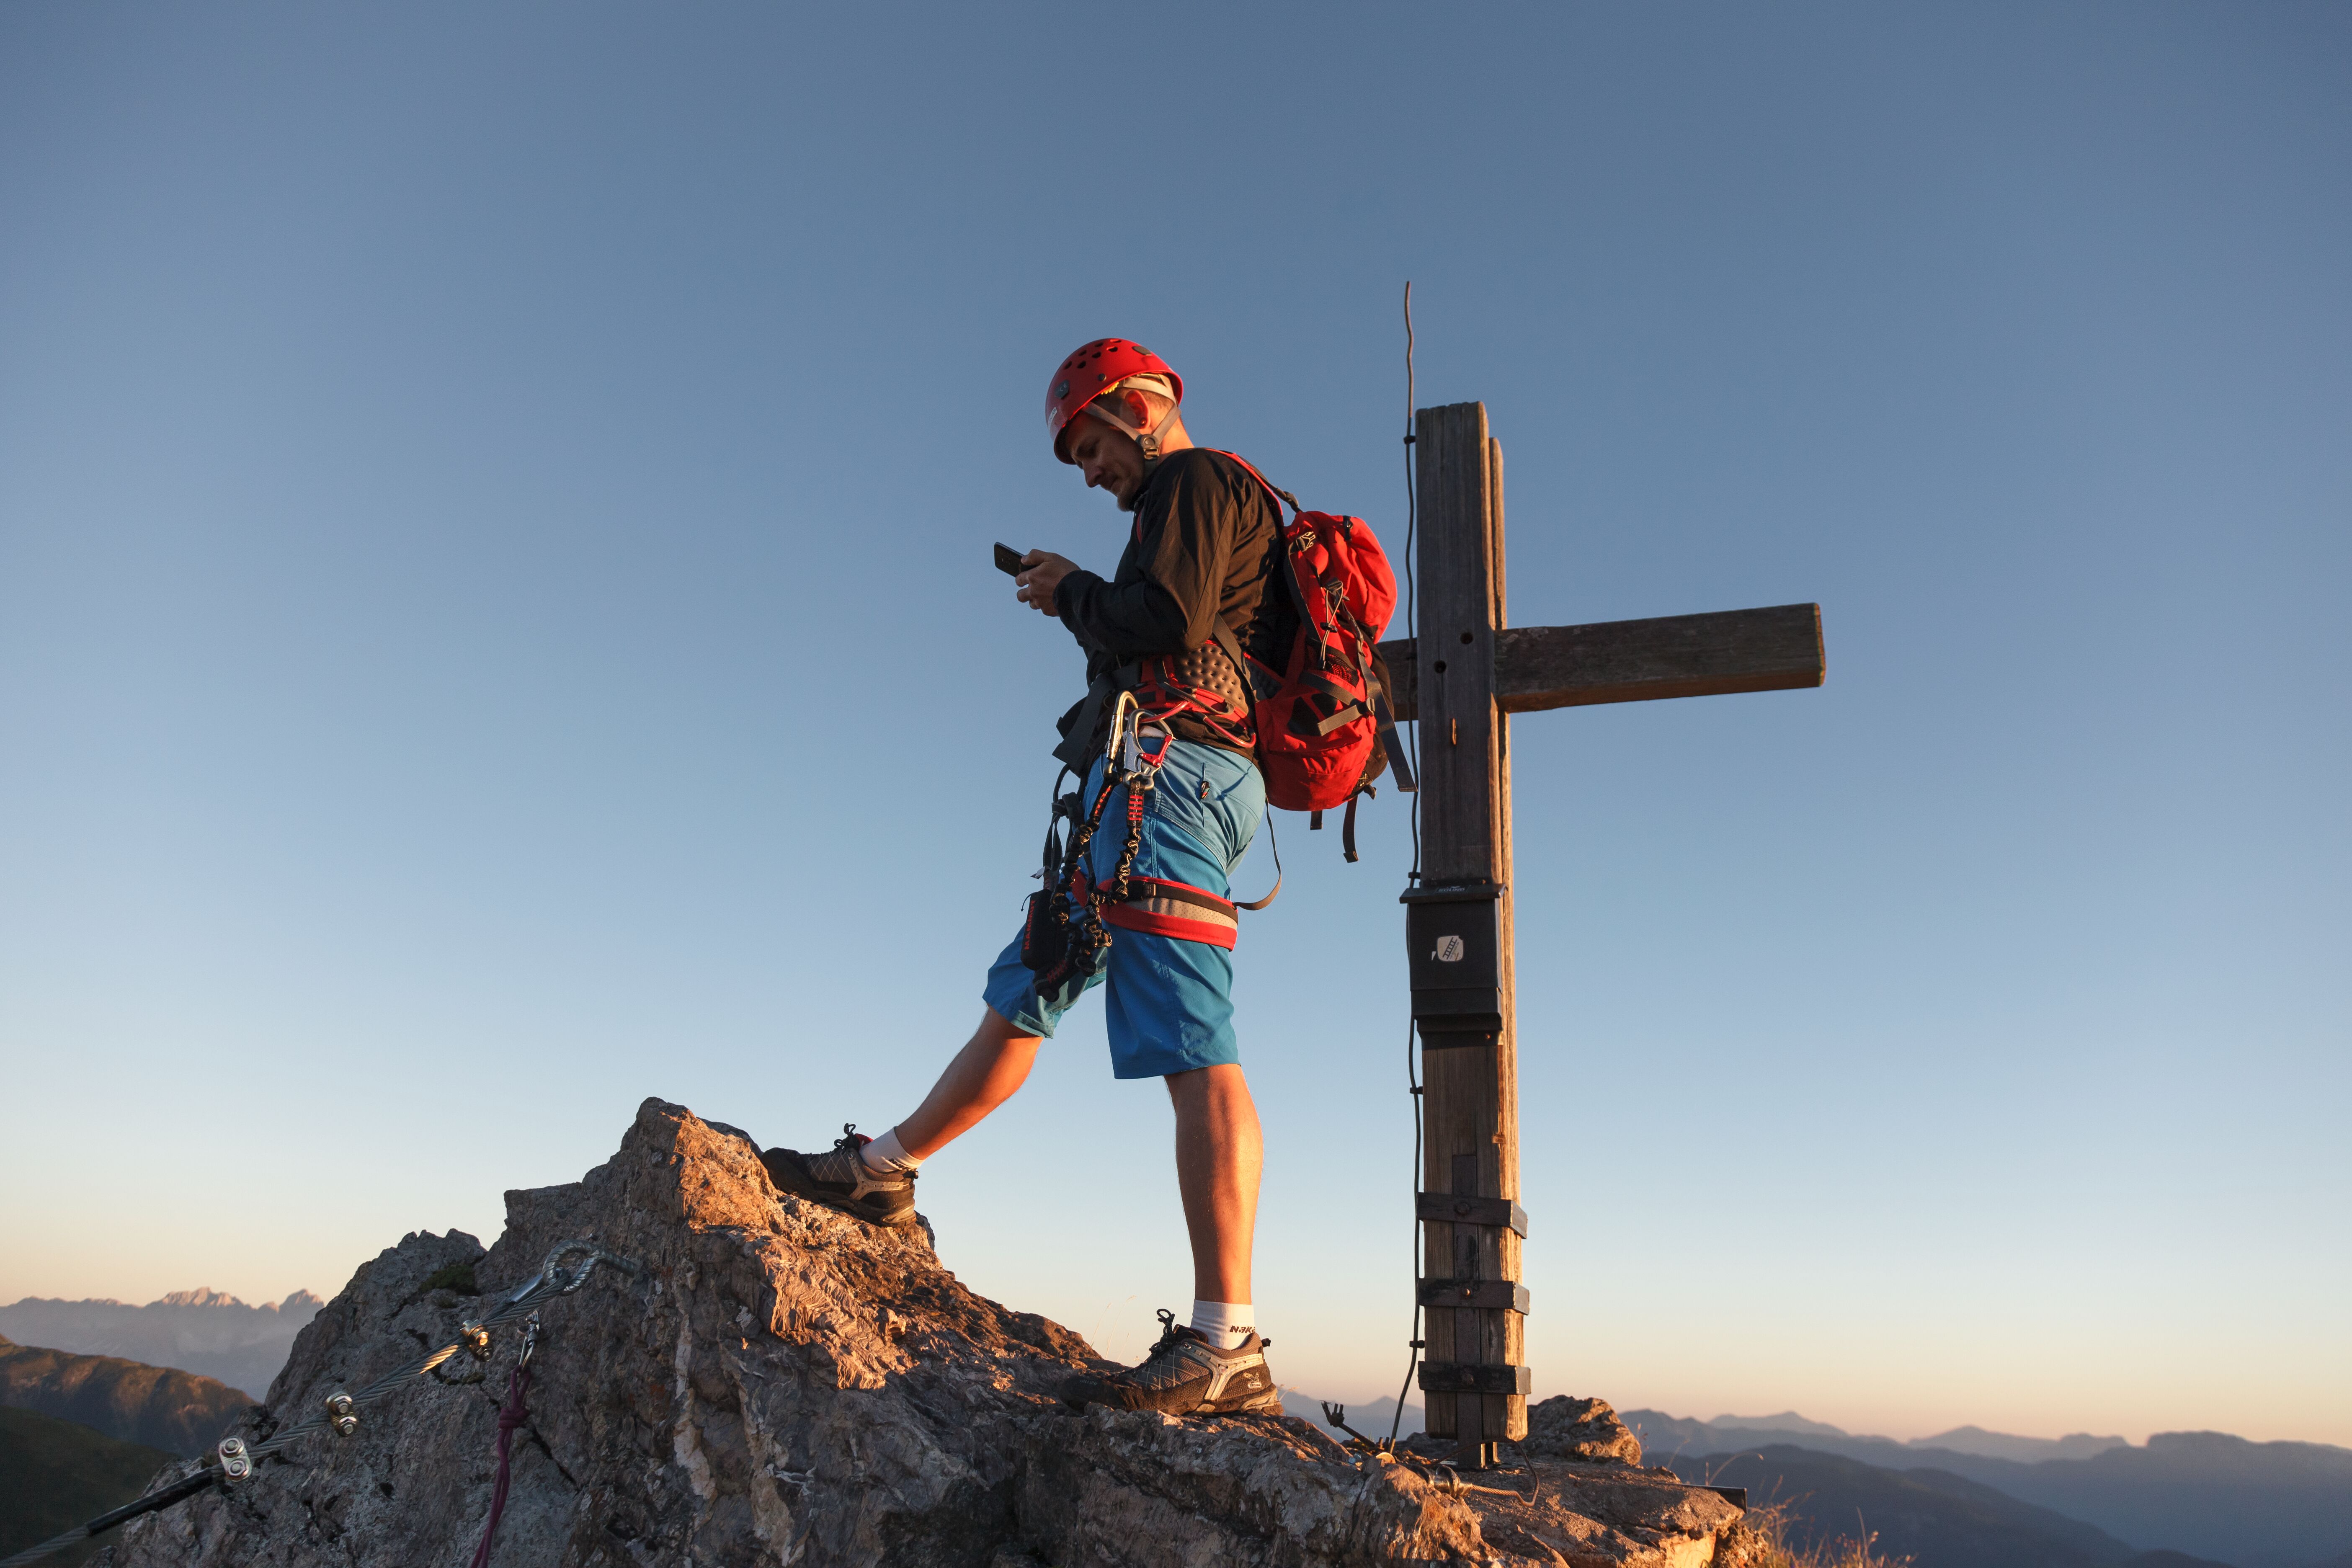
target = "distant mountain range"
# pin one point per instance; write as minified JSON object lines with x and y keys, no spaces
{"x":2254,"y":1505}
{"x":205,"y":1331}
{"x":1664,"y":1433}
{"x":2024,"y":1450}
{"x":159,"y":1407}
{"x":1935,"y":1518}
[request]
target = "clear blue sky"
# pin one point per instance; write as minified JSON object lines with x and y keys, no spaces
{"x":496,"y":622}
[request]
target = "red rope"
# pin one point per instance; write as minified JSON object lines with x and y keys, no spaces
{"x":511,"y":1415}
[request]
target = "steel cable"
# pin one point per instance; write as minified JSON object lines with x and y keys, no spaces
{"x":392,"y":1383}
{"x":552,"y":1280}
{"x":1412,"y":814}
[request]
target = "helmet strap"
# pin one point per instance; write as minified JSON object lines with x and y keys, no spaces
{"x":1147,"y":439}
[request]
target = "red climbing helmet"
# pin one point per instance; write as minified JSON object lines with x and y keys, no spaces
{"x":1093,"y":371}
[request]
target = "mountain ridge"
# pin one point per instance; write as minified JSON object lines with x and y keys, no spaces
{"x":1791,"y":1426}
{"x":201,"y":1295}
{"x":2207,"y":1494}
{"x":206,"y":1332}
{"x":1989,"y":1444}
{"x":1933,"y":1518}
{"x":157,"y":1406}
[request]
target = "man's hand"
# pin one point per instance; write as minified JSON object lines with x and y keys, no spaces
{"x":1042,"y":572}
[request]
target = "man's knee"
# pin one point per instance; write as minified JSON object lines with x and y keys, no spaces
{"x":1200,"y":1085}
{"x":996,"y":1029}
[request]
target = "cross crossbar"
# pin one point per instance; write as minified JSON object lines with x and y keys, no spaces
{"x":1774,"y":650}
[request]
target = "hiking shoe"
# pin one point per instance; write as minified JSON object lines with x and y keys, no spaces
{"x":839,"y":1179}
{"x":1186,"y":1375}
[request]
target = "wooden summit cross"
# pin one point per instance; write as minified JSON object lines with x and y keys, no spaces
{"x":1466,"y":677}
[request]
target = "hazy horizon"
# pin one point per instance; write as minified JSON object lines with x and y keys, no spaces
{"x":1382,"y":1401}
{"x":496,"y":622}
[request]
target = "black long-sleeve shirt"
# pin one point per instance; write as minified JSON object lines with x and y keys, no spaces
{"x":1202,"y":549}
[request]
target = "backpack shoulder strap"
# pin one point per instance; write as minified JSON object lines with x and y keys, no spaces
{"x":1252,"y":471}
{"x":1225,"y":639}
{"x":1275,"y":562}
{"x":1232,"y":644}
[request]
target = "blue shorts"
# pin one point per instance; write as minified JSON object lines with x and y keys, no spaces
{"x":1171,"y":1002}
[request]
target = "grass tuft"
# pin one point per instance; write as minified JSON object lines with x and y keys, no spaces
{"x":1763,"y":1540}
{"x":454,"y":1277}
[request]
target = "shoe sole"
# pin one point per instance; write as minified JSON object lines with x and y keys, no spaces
{"x":1267,"y":1402}
{"x":1255,"y":1403}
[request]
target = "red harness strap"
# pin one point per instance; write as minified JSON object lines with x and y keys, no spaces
{"x":1173,"y":908}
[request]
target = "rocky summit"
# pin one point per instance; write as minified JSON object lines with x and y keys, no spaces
{"x":783,"y":1384}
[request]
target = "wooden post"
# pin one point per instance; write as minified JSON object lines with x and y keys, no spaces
{"x":1461,"y":678}
{"x":1472,"y":1376}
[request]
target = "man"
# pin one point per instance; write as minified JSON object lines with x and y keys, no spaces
{"x":1196,"y":584}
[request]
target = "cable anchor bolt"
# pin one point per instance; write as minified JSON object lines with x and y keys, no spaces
{"x":341,"y":1413}
{"x":475,"y":1339}
{"x":235,"y":1463}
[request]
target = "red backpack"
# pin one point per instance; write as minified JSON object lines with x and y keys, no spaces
{"x":1323,"y":727}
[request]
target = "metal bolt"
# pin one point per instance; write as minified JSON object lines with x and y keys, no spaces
{"x":234,"y":1462}
{"x":340,"y":1413}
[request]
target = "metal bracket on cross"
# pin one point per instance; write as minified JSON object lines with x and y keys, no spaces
{"x":1454,"y":939}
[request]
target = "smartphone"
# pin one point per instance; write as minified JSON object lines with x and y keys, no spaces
{"x":1008,"y":560}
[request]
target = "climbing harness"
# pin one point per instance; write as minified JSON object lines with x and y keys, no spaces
{"x":1066,"y":932}
{"x":234,"y":1459}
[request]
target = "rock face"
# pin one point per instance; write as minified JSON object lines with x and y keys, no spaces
{"x":156,"y":1405}
{"x":782,"y":1385}
{"x":1584,"y":1430}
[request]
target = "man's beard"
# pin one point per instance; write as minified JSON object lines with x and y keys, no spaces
{"x":1134,"y":497}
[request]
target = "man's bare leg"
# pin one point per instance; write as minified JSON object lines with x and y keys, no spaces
{"x":993,"y":1064}
{"x":850,"y":1177}
{"x":1215,"y":1365}
{"x":1219,"y":1153}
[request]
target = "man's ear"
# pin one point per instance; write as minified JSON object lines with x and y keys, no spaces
{"x":1138,"y":409}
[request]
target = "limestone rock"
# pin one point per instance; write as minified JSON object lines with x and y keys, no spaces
{"x":1585,"y":1430}
{"x":1609,"y":1514}
{"x":784,"y":1386}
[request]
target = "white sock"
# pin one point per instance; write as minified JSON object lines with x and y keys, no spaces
{"x":1224,"y":1324}
{"x":885,"y":1153}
